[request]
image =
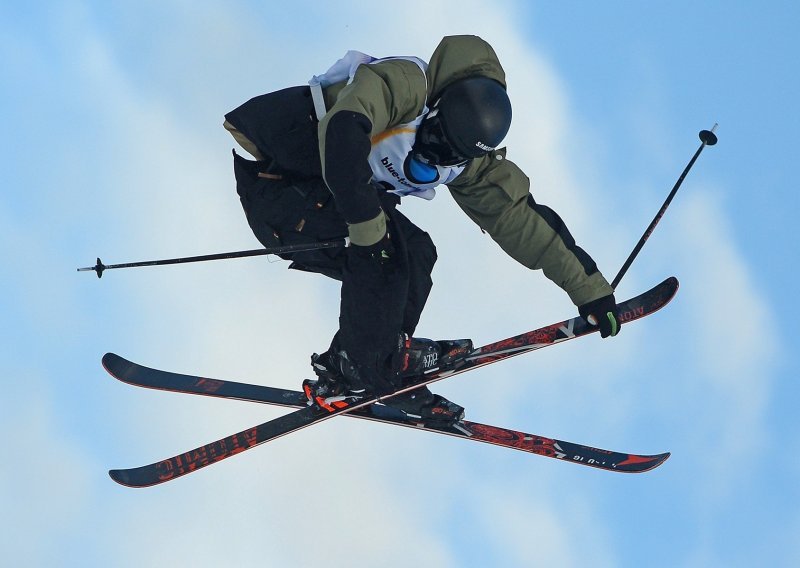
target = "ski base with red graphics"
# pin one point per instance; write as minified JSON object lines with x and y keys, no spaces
{"x":183,"y":464}
{"x":141,"y":376}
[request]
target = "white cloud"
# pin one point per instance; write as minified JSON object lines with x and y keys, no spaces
{"x":45,"y":485}
{"x":738,"y":344}
{"x":541,"y":534}
{"x":731,"y":347}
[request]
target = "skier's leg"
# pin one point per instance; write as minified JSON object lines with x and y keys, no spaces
{"x":417,"y":355}
{"x":282,"y":127}
{"x":284,"y":211}
{"x":282,"y":193}
{"x":421,"y":258}
{"x":373,"y":299}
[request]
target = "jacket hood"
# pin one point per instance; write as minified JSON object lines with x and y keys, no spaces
{"x":458,"y":57}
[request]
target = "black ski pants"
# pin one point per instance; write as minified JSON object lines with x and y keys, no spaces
{"x":286,"y":201}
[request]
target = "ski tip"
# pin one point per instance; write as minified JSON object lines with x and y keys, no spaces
{"x":120,"y":476}
{"x":109,"y":361}
{"x":114,"y":364}
{"x":128,"y":478}
{"x":660,"y":459}
{"x":669,"y":287}
{"x":641,"y":464}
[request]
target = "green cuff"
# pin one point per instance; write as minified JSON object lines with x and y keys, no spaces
{"x":368,"y":232}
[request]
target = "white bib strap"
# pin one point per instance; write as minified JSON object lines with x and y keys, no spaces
{"x":343,"y":69}
{"x":317,"y":97}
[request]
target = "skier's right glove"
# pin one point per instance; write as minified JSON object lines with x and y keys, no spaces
{"x":602,"y":312}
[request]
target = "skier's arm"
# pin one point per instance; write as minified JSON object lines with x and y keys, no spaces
{"x":495,"y":194}
{"x":380,"y":96}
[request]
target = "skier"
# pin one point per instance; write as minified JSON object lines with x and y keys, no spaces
{"x":332,"y":160}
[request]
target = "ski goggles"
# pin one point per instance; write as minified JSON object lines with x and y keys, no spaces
{"x":431,"y":146}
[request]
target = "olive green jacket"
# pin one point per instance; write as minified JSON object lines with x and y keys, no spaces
{"x":492,"y":190}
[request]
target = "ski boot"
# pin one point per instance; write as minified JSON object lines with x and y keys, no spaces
{"x":432,"y":410}
{"x":333,"y":390}
{"x":419,"y":356}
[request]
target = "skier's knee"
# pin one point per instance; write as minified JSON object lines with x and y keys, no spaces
{"x":423,"y":251}
{"x":243,"y":141}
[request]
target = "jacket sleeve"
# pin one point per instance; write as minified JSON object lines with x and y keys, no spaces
{"x":380,"y":96}
{"x":495,"y":194}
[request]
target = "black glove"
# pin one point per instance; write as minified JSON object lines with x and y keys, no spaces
{"x":603,"y":312}
{"x":383,"y":252}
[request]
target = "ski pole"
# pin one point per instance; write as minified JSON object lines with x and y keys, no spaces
{"x":708,"y":138}
{"x":100,"y":267}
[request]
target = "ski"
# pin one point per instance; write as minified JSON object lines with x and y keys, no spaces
{"x":141,"y":376}
{"x":185,"y":463}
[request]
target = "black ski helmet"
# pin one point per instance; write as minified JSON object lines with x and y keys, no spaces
{"x":471,"y":117}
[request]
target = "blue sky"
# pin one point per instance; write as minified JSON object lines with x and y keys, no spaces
{"x":112,"y":146}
